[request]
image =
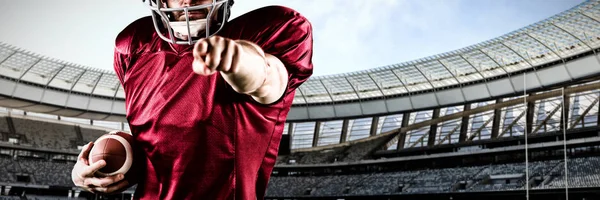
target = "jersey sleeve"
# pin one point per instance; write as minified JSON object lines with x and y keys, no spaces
{"x":292,"y":43}
{"x":122,"y":52}
{"x":281,"y":32}
{"x":129,"y":42}
{"x":120,"y":65}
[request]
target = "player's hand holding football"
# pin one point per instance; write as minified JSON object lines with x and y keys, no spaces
{"x":83,"y":175}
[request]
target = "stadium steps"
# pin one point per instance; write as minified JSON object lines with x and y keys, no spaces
{"x":552,"y":174}
{"x":410,"y":183}
{"x":473,"y":176}
{"x":475,"y":182}
{"x":544,"y":175}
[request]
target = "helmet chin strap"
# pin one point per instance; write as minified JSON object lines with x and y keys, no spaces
{"x":181,"y":30}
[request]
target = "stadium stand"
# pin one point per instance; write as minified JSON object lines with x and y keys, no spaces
{"x":37,"y":171}
{"x":582,"y":172}
{"x":46,"y":135}
{"x":503,"y":177}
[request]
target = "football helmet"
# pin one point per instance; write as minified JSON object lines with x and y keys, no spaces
{"x":188,"y":31}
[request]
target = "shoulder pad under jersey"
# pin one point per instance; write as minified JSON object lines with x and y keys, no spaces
{"x":135,"y":35}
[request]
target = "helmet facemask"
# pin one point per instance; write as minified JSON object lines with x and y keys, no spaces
{"x":188,"y":31}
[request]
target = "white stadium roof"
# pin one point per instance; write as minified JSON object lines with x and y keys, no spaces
{"x":478,"y":72}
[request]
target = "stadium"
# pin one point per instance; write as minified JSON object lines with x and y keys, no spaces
{"x":514,"y":117}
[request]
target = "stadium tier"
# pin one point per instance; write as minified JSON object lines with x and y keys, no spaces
{"x":454,"y":123}
{"x":37,"y":150}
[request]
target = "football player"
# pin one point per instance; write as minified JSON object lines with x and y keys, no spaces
{"x":206,"y":98}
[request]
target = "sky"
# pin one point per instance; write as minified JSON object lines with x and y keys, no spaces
{"x":349,"y":35}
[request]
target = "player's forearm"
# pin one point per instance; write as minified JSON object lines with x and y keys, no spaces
{"x":248,"y":68}
{"x":254,"y":73}
{"x":275,"y":83}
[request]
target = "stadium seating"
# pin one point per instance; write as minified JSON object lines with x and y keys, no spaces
{"x":50,"y":134}
{"x":583,"y":172}
{"x":441,"y":180}
{"x":385,"y":183}
{"x":10,"y":198}
{"x":45,"y":134}
{"x":35,"y":197}
{"x":40,"y":172}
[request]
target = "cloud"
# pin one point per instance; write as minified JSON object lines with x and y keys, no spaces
{"x":357,"y":35}
{"x":344,"y":31}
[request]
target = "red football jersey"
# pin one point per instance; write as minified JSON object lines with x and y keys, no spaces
{"x":197,"y":137}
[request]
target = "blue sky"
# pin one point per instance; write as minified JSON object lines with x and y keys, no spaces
{"x":349,"y":35}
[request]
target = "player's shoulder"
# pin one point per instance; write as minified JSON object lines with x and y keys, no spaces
{"x":277,"y":13}
{"x":138,"y":32}
{"x":277,"y":10}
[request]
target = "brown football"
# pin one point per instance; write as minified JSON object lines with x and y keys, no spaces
{"x":115,"y":149}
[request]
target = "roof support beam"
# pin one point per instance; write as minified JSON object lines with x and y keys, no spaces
{"x":404,"y":85}
{"x":344,"y":134}
{"x":530,"y":109}
{"x":582,"y":116}
{"x":374,"y":126}
{"x":23,"y":74}
{"x":564,"y":117}
{"x":317,"y":133}
{"x":455,"y":78}
{"x":402,"y":135}
{"x":429,"y":81}
{"x":499,"y":65}
{"x":328,"y":93}
{"x":572,"y":35}
{"x":464,"y":124}
{"x":434,"y":127}
{"x":356,"y":92}
{"x":535,"y":97}
{"x":496,"y":122}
